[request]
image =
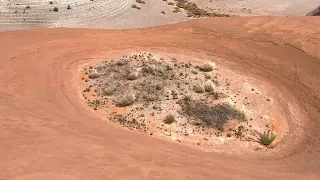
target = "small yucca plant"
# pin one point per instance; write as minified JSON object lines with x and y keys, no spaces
{"x":267,"y":138}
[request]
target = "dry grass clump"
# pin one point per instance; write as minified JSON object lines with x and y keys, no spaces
{"x":127,"y":100}
{"x":208,"y":66}
{"x":208,"y":86}
{"x":169,"y":119}
{"x":199,"y":88}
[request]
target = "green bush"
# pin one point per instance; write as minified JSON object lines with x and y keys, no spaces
{"x":267,"y":138}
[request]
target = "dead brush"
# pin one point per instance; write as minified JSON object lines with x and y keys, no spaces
{"x":169,"y":119}
{"x":215,"y":116}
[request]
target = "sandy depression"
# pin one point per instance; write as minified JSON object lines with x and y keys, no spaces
{"x":49,"y":132}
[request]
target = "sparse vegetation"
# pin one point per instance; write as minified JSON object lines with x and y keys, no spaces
{"x":126,"y":100}
{"x":169,"y":119}
{"x":194,"y":11}
{"x":176,"y":10}
{"x":134,"y":6}
{"x":69,"y":7}
{"x":140,"y":1}
{"x":86,"y":90}
{"x":207,"y":67}
{"x":93,"y":75}
{"x":27,"y":7}
{"x":55,"y":9}
{"x":199,"y":88}
{"x":267,"y":138}
{"x":163,"y":12}
{"x":149,"y":86}
{"x":213,"y":115}
{"x":208,"y":86}
{"x":133,"y":75}
{"x":108,"y":91}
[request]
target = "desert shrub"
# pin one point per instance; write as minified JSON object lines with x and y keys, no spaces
{"x":108,"y":91}
{"x":50,"y":2}
{"x":207,"y":67}
{"x":212,"y":115}
{"x":193,"y":10}
{"x":239,"y":132}
{"x":69,"y":7}
{"x":151,"y":97}
{"x":55,"y":9}
{"x":93,"y":75}
{"x":123,"y":62}
{"x":133,"y":75}
{"x":216,"y":82}
{"x":199,"y":88}
{"x":208,"y":86}
{"x":169,"y":119}
{"x":126,"y":100}
{"x":241,"y":116}
{"x":163,"y":12}
{"x":87,"y":90}
{"x":267,"y":138}
{"x":27,"y":7}
{"x":140,"y":1}
{"x":176,"y":10}
{"x":148,"y":69}
{"x":159,"y":86}
{"x":187,"y":98}
{"x":170,"y":3}
{"x":135,"y":6}
{"x":216,"y":95}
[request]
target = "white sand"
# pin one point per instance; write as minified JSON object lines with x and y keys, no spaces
{"x":118,"y":14}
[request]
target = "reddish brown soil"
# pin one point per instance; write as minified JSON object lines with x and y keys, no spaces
{"x":48,"y":132}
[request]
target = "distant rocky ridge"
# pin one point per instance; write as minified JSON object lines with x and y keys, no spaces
{"x":315,"y":12}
